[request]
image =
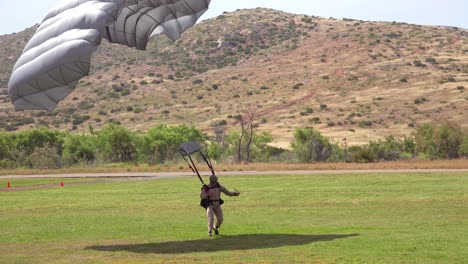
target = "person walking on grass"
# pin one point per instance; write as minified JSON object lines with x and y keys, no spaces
{"x":211,"y":200}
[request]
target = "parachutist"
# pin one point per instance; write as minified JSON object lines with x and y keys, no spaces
{"x":210,"y":194}
{"x":214,"y":202}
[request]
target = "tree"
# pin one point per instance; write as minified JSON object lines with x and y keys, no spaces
{"x":6,"y":149}
{"x":79,"y":148}
{"x":448,"y":138}
{"x":258,"y":149}
{"x":261,"y":151}
{"x":6,"y":145}
{"x":463,"y":150}
{"x":309,"y":145}
{"x":162,"y":142}
{"x":442,"y":141}
{"x":117,"y":143}
{"x":27,"y":142}
{"x":424,"y":138}
{"x":245,"y":137}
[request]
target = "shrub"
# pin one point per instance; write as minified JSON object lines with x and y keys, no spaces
{"x":463,"y":150}
{"x":46,"y":157}
{"x":451,"y":79}
{"x":366,"y":123}
{"x":439,"y":141}
{"x":418,"y":63}
{"x":222,"y":123}
{"x":78,"y":119}
{"x":6,"y":145}
{"x":125,"y":92}
{"x":117,"y":143}
{"x":316,"y":120}
{"x":297,"y":86}
{"x":79,"y":148}
{"x":448,"y":138}
{"x":161,"y":143}
{"x":421,"y":100}
{"x":309,"y":146}
{"x":364,"y":155}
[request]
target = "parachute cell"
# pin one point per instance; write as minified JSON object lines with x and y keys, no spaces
{"x":59,"y":53}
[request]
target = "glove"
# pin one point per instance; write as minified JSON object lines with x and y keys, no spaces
{"x":236,"y":193}
{"x":206,"y":188}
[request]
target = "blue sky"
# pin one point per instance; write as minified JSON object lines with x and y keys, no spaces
{"x":25,"y":13}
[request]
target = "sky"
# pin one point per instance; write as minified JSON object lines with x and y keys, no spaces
{"x":26,"y":13}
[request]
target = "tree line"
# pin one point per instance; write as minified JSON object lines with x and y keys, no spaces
{"x":46,"y":148}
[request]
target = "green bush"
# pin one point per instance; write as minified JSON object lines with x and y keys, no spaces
{"x":161,"y":143}
{"x":420,"y":100}
{"x":79,"y":149}
{"x":310,"y":146}
{"x":442,"y":141}
{"x":391,"y":148}
{"x":448,"y":138}
{"x":463,"y":150}
{"x":45,"y":157}
{"x":6,"y":145}
{"x":117,"y":143}
{"x":364,"y":155}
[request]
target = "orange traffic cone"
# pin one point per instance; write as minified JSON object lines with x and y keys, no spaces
{"x":8,"y":184}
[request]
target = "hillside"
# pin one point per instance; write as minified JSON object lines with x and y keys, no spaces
{"x":350,"y":79}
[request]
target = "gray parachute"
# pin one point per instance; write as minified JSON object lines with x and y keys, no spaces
{"x":59,"y":53}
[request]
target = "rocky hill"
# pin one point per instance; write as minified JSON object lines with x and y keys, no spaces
{"x":350,"y":79}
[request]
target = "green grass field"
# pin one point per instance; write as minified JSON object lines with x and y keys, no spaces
{"x":370,"y":218}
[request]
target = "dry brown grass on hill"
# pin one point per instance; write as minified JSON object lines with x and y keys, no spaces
{"x":350,"y":79}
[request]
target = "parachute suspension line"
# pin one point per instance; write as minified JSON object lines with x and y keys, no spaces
{"x":208,"y":162}
{"x":194,"y":169}
{"x":190,"y":166}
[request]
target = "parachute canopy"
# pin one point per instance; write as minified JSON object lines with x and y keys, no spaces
{"x":59,"y":53}
{"x":189,"y":148}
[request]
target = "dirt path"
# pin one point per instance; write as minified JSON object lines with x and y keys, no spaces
{"x":165,"y":175}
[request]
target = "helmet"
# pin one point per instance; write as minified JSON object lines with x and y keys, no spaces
{"x":213,"y":178}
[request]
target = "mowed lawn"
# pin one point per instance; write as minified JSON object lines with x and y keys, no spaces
{"x":368,"y":218}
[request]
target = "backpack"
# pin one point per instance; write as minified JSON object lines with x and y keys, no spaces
{"x":207,"y":202}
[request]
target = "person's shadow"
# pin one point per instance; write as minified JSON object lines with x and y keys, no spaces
{"x":222,"y":243}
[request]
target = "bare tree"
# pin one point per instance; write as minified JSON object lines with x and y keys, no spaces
{"x":220,"y":134}
{"x":246,"y":121}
